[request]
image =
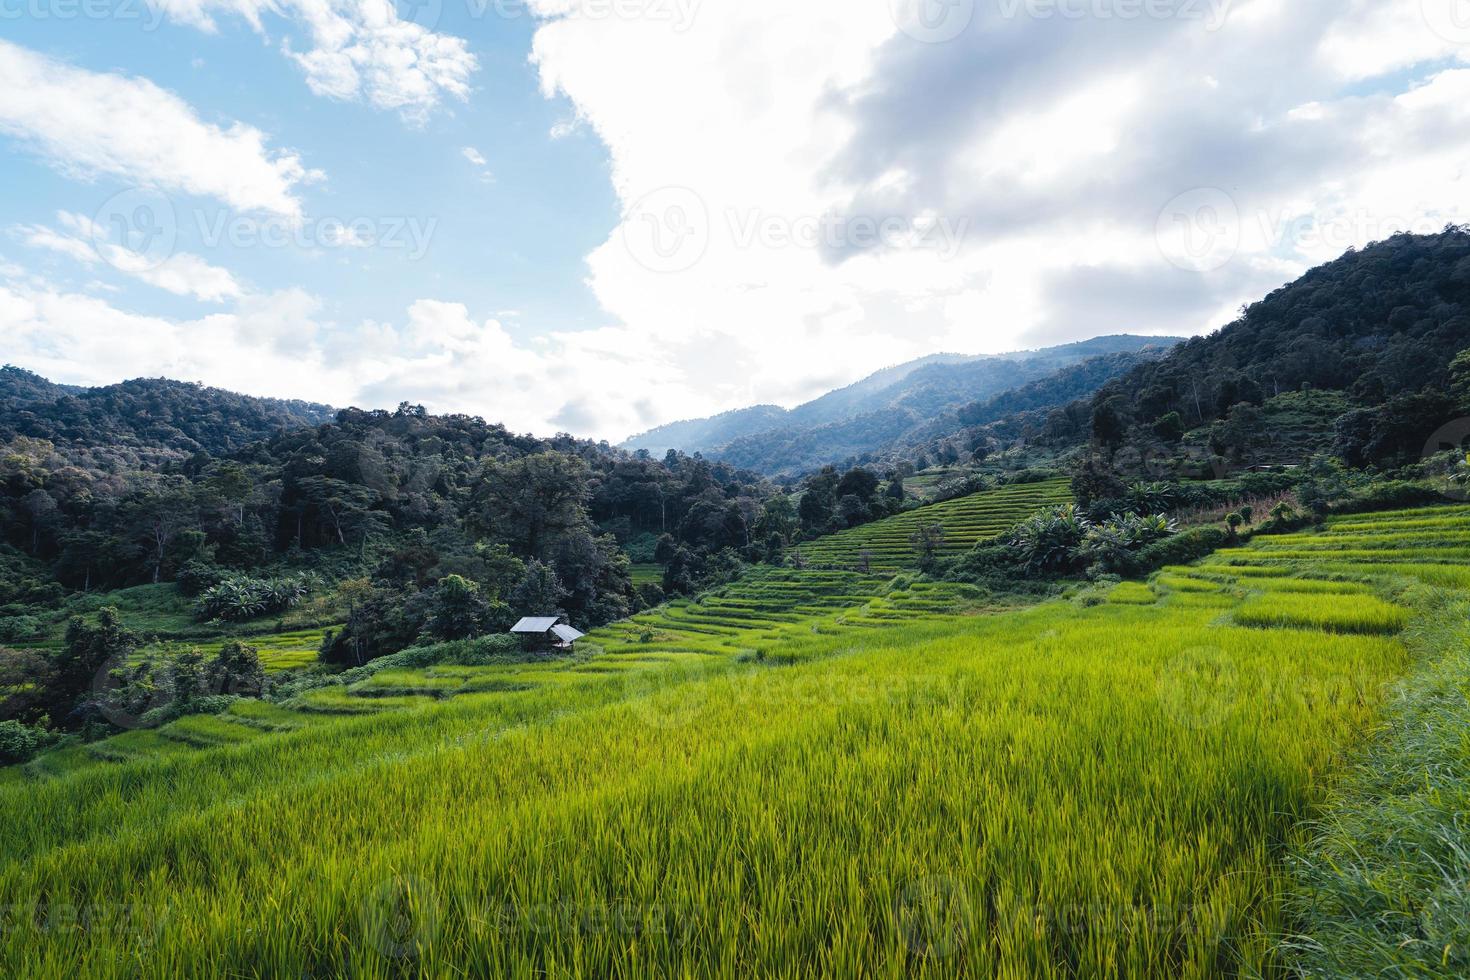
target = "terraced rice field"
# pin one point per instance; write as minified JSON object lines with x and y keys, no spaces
{"x":811,"y":772}
{"x":886,"y":545}
{"x":278,"y":651}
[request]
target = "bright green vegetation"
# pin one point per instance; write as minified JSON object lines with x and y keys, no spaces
{"x":647,"y":573}
{"x":966,"y":521}
{"x":1381,"y":887}
{"x":278,"y":651}
{"x":805,"y":773}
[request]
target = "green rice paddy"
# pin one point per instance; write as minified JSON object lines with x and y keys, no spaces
{"x":886,"y":545}
{"x":807,"y":773}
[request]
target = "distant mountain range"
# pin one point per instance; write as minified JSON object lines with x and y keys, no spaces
{"x":151,"y":414}
{"x":898,"y":405}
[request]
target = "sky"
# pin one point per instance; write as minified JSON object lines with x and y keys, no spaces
{"x":597,"y":216}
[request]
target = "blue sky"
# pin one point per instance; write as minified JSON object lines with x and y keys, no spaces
{"x":516,"y":242}
{"x":598,"y":216}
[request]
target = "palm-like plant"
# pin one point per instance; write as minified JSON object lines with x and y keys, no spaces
{"x":1049,"y":541}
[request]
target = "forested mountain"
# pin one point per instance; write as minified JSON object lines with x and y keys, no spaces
{"x":157,"y":415}
{"x":892,"y":406}
{"x":397,"y":501}
{"x":1381,"y":326}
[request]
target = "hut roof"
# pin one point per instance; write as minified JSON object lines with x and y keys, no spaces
{"x":535,"y":624}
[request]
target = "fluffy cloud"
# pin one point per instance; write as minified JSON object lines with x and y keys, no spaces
{"x":814,"y":190}
{"x":90,"y":123}
{"x":356,"y":49}
{"x":180,"y":273}
{"x":279,"y":344}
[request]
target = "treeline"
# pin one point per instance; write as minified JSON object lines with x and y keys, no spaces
{"x":400,"y":500}
{"x":1372,"y":337}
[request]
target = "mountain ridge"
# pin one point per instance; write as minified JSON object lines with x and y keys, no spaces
{"x":876,"y":410}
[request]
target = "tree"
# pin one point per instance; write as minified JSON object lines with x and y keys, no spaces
{"x":895,"y":490}
{"x":237,"y":670}
{"x":1110,"y":420}
{"x":778,"y":518}
{"x":528,"y":502}
{"x":86,"y":652}
{"x":539,"y":593}
{"x":927,"y":541}
{"x":458,"y":610}
{"x":852,"y":511}
{"x":25,"y":679}
{"x":859,"y":483}
{"x":1460,"y":380}
{"x":1169,"y":427}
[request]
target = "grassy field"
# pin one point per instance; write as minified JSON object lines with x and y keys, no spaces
{"x":806,"y":773}
{"x":648,"y":574}
{"x":966,"y":521}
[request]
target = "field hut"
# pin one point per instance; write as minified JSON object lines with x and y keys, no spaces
{"x":544,"y":634}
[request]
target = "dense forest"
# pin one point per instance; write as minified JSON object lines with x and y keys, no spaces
{"x":398,"y":500}
{"x":1368,"y":339}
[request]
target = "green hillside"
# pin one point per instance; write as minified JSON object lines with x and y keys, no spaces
{"x":820,"y":772}
{"x":966,"y":521}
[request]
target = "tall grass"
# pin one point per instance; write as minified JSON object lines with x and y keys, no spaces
{"x":806,"y":773}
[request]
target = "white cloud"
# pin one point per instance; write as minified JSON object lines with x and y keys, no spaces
{"x":355,"y":49}
{"x":91,"y":124}
{"x":753,"y":149}
{"x":477,"y":160}
{"x":180,"y":273}
{"x":278,"y":344}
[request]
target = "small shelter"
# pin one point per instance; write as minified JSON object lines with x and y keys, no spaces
{"x":546,"y":633}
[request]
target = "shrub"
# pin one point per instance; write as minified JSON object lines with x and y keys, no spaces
{"x":1112,"y":545}
{"x":1181,"y":548}
{"x":20,"y":743}
{"x":198,"y":577}
{"x":241,"y":597}
{"x":17,"y":629}
{"x":1050,"y":542}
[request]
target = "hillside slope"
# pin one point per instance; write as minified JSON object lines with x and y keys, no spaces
{"x":879,"y":410}
{"x":145,"y":413}
{"x":1381,"y":325}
